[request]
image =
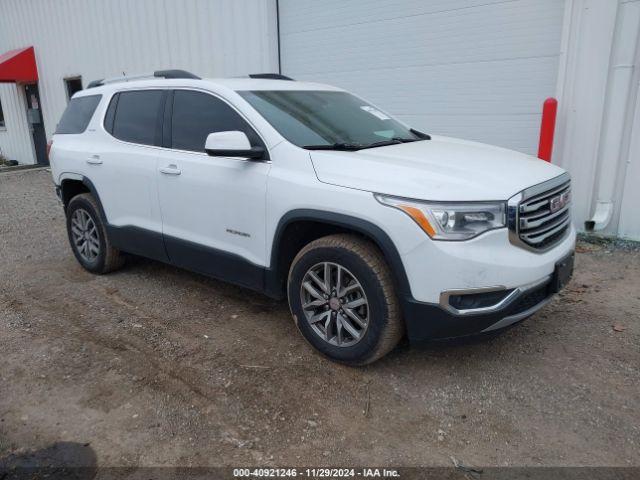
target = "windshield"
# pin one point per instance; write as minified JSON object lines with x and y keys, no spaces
{"x":328,"y":120}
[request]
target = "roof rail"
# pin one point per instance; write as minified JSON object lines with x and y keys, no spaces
{"x":95,"y":83}
{"x":157,"y":74}
{"x":175,"y":74}
{"x":270,"y":76}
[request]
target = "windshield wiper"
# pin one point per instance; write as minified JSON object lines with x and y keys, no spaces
{"x":354,"y":146}
{"x":391,"y":141}
{"x":383,"y":143}
{"x":334,"y":146}
{"x":420,"y":135}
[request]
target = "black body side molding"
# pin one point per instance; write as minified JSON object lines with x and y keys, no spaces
{"x":214,"y":263}
{"x":138,"y":241}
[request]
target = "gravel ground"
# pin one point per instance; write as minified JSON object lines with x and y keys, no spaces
{"x":153,"y":365}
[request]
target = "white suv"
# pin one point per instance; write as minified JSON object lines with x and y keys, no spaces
{"x":372,"y":229}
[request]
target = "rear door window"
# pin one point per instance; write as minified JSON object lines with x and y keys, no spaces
{"x":197,"y":114}
{"x":137,"y":116}
{"x":77,"y":116}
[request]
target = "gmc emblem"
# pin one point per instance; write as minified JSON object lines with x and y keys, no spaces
{"x":560,"y":201}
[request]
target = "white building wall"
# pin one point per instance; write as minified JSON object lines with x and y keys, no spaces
{"x":15,"y":138}
{"x":476,"y":69}
{"x":598,"y":88}
{"x":630,"y":206}
{"x":104,"y":38}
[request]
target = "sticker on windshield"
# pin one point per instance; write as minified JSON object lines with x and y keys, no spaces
{"x":375,"y":112}
{"x":385,"y":133}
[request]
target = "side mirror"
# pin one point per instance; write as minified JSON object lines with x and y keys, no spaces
{"x":231,"y":144}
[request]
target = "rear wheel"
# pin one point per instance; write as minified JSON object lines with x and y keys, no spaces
{"x":342,"y":298}
{"x":88,"y":236}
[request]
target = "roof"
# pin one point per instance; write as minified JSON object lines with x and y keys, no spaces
{"x":236,"y":84}
{"x":18,"y":66}
{"x":240,"y":84}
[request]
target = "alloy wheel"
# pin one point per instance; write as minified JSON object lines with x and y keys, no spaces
{"x":335,"y":304}
{"x":85,"y":235}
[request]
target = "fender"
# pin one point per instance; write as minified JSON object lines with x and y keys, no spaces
{"x":364,"y":227}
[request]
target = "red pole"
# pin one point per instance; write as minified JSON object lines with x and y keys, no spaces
{"x":547,"y":128}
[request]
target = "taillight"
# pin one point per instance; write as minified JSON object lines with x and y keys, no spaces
{"x":49,"y":144}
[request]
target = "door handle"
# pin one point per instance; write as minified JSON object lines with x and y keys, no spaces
{"x":94,"y":160}
{"x":170,"y":170}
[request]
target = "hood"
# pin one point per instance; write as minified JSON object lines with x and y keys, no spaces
{"x":441,"y":169}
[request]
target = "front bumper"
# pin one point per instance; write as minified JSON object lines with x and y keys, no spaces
{"x":428,"y":321}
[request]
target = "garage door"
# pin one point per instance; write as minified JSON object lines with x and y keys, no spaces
{"x":476,"y":69}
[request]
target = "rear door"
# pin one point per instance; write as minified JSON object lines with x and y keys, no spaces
{"x":213,"y":208}
{"x":124,"y":171}
{"x":74,"y":137}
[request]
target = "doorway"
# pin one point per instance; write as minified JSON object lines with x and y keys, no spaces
{"x":73,"y":85}
{"x":36,"y":123}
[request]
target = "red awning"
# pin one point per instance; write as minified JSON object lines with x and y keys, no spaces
{"x":18,"y":66}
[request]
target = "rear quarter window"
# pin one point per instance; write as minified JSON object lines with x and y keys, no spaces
{"x":77,"y":116}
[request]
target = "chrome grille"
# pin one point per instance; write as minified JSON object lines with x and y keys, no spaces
{"x":540,"y":216}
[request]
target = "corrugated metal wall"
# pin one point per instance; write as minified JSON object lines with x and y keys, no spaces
{"x":476,"y":69}
{"x":103,"y":38}
{"x":15,"y":138}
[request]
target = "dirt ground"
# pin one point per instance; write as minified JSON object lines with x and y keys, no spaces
{"x":153,"y":365}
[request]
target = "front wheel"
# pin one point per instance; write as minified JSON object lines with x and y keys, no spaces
{"x":342,"y":298}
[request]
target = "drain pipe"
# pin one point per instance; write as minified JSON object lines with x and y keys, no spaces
{"x":613,"y":132}
{"x":278,"y":36}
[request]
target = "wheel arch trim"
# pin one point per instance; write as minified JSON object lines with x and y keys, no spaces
{"x":69,"y":176}
{"x":358,"y":225}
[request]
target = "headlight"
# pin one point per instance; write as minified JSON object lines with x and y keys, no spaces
{"x":450,"y":221}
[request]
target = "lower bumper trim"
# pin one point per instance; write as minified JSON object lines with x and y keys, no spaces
{"x":511,"y":319}
{"x":510,"y":296}
{"x":428,"y":321}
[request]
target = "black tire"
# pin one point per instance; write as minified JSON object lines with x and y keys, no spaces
{"x":366,"y":263}
{"x":108,"y":259}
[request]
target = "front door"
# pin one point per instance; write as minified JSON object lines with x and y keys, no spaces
{"x":36,"y":123}
{"x":213,"y":208}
